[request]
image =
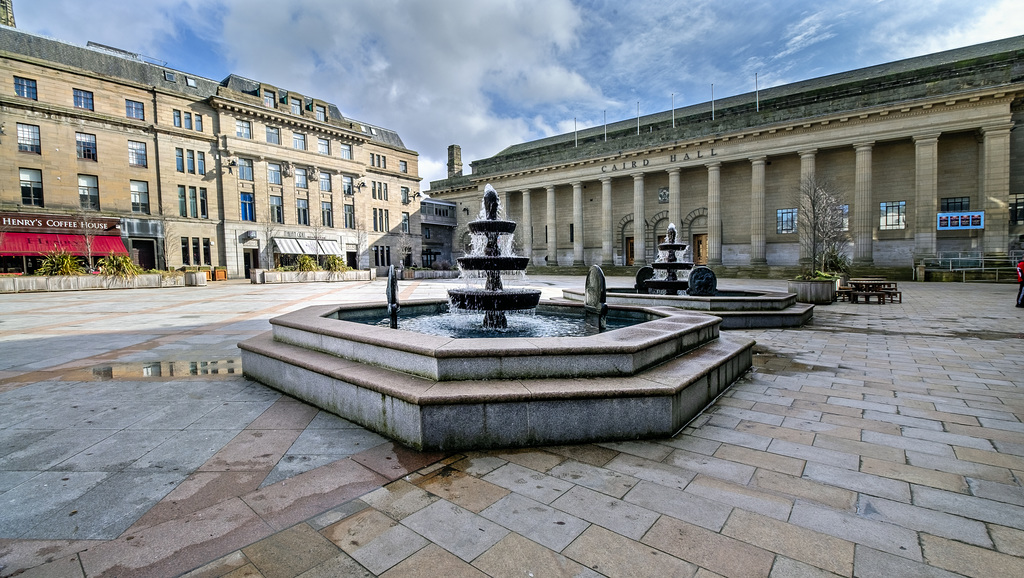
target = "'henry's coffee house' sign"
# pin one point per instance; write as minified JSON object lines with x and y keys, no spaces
{"x":24,"y":235}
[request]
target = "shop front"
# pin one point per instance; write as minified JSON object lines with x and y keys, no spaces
{"x":26,"y":239}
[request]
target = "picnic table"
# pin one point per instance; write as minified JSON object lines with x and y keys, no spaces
{"x":881,"y":289}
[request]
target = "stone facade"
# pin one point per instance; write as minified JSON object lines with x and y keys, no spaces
{"x":202,"y":172}
{"x":909,"y":137}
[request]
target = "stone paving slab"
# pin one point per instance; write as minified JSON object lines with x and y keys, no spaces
{"x":876,"y":441}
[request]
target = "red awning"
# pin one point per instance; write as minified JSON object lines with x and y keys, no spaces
{"x":35,"y":244}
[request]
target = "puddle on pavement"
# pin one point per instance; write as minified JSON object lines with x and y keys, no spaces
{"x":156,"y":370}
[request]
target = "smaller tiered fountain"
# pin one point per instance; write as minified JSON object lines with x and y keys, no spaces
{"x":494,"y":300}
{"x":699,"y":281}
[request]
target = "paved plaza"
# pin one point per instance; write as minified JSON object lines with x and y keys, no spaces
{"x":877,"y":441}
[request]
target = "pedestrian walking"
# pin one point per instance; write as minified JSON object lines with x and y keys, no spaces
{"x":1020,"y":283}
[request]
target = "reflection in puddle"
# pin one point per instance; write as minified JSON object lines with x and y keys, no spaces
{"x":157,"y":369}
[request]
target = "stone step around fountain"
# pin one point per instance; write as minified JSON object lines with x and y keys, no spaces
{"x":476,"y":414}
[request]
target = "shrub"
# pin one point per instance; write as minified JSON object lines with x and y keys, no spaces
{"x":335,"y":264}
{"x":306,"y":263}
{"x":442,"y":265}
{"x":119,"y":266}
{"x":60,"y":262}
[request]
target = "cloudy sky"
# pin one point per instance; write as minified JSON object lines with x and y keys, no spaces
{"x":486,"y":74}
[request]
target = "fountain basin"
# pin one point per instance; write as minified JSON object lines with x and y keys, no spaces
{"x":484,"y":300}
{"x":439,"y":393}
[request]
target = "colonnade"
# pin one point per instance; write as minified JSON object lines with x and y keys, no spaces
{"x":994,"y":171}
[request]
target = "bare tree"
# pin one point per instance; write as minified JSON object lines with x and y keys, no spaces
{"x":405,"y":246}
{"x":822,"y":222}
{"x":316,"y":224}
{"x":269,"y":227}
{"x":87,"y":220}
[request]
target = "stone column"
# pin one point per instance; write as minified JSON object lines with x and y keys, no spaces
{"x":714,"y":213}
{"x":996,"y":187}
{"x":526,"y":226}
{"x":863,"y":206}
{"x":675,"y":203}
{"x":552,"y":228}
{"x":807,"y":170}
{"x":639,"y":222}
{"x":577,"y":223}
{"x":607,"y":235}
{"x":757,"y":234}
{"x":926,"y":201}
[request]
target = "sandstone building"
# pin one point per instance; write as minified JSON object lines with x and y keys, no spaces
{"x":181,"y":170}
{"x":923,"y":149}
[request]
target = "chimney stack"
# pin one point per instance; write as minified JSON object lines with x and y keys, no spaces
{"x":454,"y":161}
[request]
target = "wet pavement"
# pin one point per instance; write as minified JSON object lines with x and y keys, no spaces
{"x":879,"y":440}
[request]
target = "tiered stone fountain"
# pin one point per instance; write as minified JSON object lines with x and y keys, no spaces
{"x":671,"y":265}
{"x":494,"y":300}
{"x":447,"y":393}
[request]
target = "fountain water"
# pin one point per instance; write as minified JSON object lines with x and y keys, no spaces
{"x":493,"y":299}
{"x":671,"y":265}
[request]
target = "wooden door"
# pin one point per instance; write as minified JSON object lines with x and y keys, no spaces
{"x":629,"y":251}
{"x":700,"y":249}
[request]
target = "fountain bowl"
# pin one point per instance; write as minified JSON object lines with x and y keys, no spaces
{"x":495,"y":263}
{"x":486,"y":226}
{"x":442,"y":393}
{"x":484,"y":300}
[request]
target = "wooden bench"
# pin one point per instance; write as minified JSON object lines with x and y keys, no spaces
{"x":867,"y":295}
{"x":893,"y":294}
{"x":843,"y":293}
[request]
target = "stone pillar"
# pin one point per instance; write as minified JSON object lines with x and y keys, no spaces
{"x":552,"y":228}
{"x":639,"y":222}
{"x":526,"y":226}
{"x":714,"y":213}
{"x":807,"y":170}
{"x":675,"y":203}
{"x":577,"y":222}
{"x":757,"y":234}
{"x":863,"y":206}
{"x":607,"y":235}
{"x":995,"y":191}
{"x":926,"y":201}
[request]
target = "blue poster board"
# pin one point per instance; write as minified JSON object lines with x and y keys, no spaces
{"x":960,"y":221}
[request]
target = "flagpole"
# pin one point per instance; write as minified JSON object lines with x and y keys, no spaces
{"x":712,"y":101}
{"x":757,"y":95}
{"x":638,"y":118}
{"x":575,"y":131}
{"x":673,"y":110}
{"x":605,"y":126}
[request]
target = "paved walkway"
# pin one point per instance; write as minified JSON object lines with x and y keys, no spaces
{"x":877,"y":441}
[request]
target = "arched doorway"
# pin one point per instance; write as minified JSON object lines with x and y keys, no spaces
{"x":694,"y":230}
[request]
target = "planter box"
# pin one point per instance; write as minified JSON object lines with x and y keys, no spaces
{"x":311,"y":276}
{"x":195,"y":279}
{"x":220,"y":274}
{"x":816,"y":292}
{"x":29,"y":283}
{"x":256,"y":276}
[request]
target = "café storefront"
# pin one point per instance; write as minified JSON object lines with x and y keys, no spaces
{"x":26,"y":239}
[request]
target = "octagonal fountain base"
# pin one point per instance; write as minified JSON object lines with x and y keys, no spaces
{"x":440,"y":393}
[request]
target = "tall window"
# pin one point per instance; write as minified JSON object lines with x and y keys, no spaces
{"x":326,"y":214}
{"x":25,"y":88}
{"x":182,"y":202}
{"x":893,"y":215}
{"x":952,"y":204}
{"x":1017,"y":209}
{"x":245,"y":169}
{"x":277,"y":209}
{"x":350,"y":216}
{"x":201,"y":162}
{"x":296,"y":106}
{"x":405,"y":195}
{"x":191,"y":161}
{"x":185,"y":254}
{"x":302,"y":211}
{"x":403,"y":167}
{"x":179,"y":160}
{"x":83,"y":99}
{"x":346,"y":151}
{"x":273,"y":135}
{"x":206,"y":251}
{"x":323,"y":146}
{"x":299,"y":141}
{"x":375,"y":220}
{"x":300,"y":179}
{"x":176,"y":115}
{"x":274,"y":173}
{"x":137,"y":154}
{"x":195,"y":251}
{"x":31,"y":187}
{"x":405,"y":222}
{"x":844,"y":211}
{"x":193,"y":202}
{"x":88,"y":192}
{"x":204,"y":206}
{"x":321,"y":114}
{"x":269,"y":99}
{"x":28,"y":138}
{"x":248,"y":207}
{"x":325,"y":181}
{"x":140,"y":197}
{"x":243,"y":129}
{"x":188,"y":120}
{"x":346,"y":185}
{"x":134,"y":109}
{"x":785,"y":221}
{"x":199,"y":122}
{"x":86,"y":145}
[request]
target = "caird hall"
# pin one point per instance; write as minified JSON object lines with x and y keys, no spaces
{"x":923,"y":152}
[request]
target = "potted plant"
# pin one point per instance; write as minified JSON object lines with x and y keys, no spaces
{"x":821,"y":224}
